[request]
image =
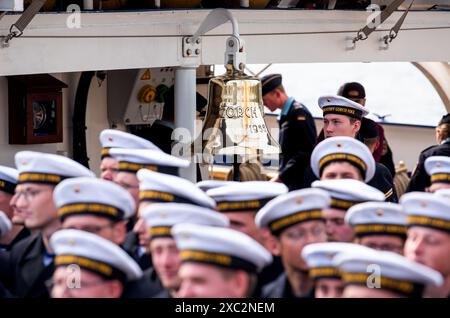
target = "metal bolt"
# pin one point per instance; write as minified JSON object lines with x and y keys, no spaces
{"x":188,"y":40}
{"x":127,"y":120}
{"x":231,"y":43}
{"x":241,"y":66}
{"x":197,"y":51}
{"x":189,"y":52}
{"x":198,"y":41}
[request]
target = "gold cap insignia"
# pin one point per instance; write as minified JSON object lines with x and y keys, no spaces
{"x":379,"y":212}
{"x":72,"y":242}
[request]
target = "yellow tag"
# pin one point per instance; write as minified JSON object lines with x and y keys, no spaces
{"x":146,"y":76}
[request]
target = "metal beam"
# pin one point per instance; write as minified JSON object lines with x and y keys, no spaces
{"x":124,"y":40}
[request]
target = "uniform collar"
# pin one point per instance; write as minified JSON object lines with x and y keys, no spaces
{"x":446,"y":141}
{"x":287,"y":106}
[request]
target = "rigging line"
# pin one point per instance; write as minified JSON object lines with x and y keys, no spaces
{"x":220,"y":35}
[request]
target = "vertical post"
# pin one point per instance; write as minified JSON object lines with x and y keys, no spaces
{"x":236,"y":168}
{"x":185,"y":110}
{"x":88,"y":5}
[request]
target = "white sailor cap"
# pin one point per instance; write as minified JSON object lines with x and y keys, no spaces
{"x":5,"y":224}
{"x":398,"y":274}
{"x":93,"y":253}
{"x":38,"y":167}
{"x":335,"y":104}
{"x":319,"y":257}
{"x":438,"y":167}
{"x":427,"y":210}
{"x":222,"y":247}
{"x":113,"y":138}
{"x":292,"y":208}
{"x":132,"y":160}
{"x":160,"y":187}
{"x":346,"y":193}
{"x":343,"y":149}
{"x":377,"y":218}
{"x":92,"y":196}
{"x":206,"y":185}
{"x":161,"y":217}
{"x":246,"y":196}
{"x":443,"y":192}
{"x":8,"y":179}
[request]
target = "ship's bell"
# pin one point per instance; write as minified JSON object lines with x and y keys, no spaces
{"x":234,"y":123}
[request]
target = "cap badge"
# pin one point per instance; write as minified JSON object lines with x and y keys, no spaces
{"x":338,"y":145}
{"x":71,"y":242}
{"x":77,"y":190}
{"x":380,"y":212}
{"x":110,"y":138}
{"x":438,"y":164}
{"x":163,"y":215}
{"x":423,"y":204}
{"x":299,"y":200}
{"x":329,"y":100}
{"x":24,"y":162}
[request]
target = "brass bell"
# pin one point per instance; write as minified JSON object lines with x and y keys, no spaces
{"x":234,"y":123}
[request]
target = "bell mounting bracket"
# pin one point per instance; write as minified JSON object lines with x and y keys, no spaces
{"x":235,"y":54}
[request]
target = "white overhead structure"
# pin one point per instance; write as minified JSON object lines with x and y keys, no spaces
{"x":128,"y":40}
{"x":11,"y":5}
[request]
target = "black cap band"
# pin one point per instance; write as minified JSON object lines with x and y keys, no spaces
{"x":96,"y":209}
{"x":132,"y":167}
{"x":105,"y":270}
{"x":342,"y":110}
{"x":217,"y":259}
{"x":248,"y":205}
{"x":7,"y":186}
{"x":42,"y":178}
{"x":160,"y":196}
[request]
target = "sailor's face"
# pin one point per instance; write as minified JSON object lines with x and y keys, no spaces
{"x":329,"y":288}
{"x":292,"y":240}
{"x":129,"y":182}
{"x":336,"y":228}
{"x":341,"y":170}
{"x":389,"y":243}
{"x":271,"y":100}
{"x":438,"y":186}
{"x":206,"y":281}
{"x":108,"y":168}
{"x":166,"y":261}
{"x":101,"y":226}
{"x":35,"y":203}
{"x":5,"y":199}
{"x":428,"y":246}
{"x":141,"y":229}
{"x":244,"y":222}
{"x":339,"y":125}
{"x":73,"y":282}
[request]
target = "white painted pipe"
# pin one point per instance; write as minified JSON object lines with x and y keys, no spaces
{"x":185,"y":109}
